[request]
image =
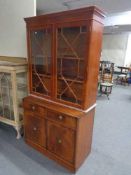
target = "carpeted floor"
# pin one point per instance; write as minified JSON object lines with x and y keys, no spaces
{"x":111,"y":148}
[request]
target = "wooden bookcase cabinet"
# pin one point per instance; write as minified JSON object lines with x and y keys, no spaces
{"x":64,"y":51}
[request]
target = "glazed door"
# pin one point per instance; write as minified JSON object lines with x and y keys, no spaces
{"x":41,"y":61}
{"x":71,"y":60}
{"x":61,"y":141}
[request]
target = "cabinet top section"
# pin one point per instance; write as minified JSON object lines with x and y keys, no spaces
{"x":87,"y":13}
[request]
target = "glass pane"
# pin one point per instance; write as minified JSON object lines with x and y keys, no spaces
{"x":6,"y":103}
{"x":41,"y":61}
{"x":21,"y":80}
{"x":71,"y":50}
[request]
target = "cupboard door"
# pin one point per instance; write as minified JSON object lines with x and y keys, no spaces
{"x":41,"y":61}
{"x":71,"y":61}
{"x":35,"y":130}
{"x":61,"y":141}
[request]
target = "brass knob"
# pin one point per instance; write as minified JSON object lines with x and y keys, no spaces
{"x":33,"y":108}
{"x":60,"y":117}
{"x":34,"y":129}
{"x":59,"y":141}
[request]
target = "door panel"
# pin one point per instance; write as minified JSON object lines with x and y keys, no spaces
{"x":41,"y":56}
{"x":71,"y":59}
{"x":35,"y":130}
{"x":61,"y":141}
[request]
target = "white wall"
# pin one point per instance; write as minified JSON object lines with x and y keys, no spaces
{"x":114,"y":48}
{"x":128,"y":53}
{"x":12,"y":26}
{"x":118,"y":19}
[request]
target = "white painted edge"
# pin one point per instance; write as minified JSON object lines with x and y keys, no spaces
{"x":90,"y":108}
{"x":71,"y":107}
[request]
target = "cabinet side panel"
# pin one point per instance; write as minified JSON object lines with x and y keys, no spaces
{"x":93,"y":64}
{"x":29,"y":57}
{"x":84,"y":137}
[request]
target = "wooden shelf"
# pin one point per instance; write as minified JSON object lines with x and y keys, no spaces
{"x":5,"y":86}
{"x":71,"y":79}
{"x":20,"y":85}
{"x":71,"y":58}
{"x":66,"y":98}
{"x":43,"y":75}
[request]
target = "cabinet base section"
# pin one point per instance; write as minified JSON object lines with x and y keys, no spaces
{"x":62,"y":134}
{"x":52,"y":156}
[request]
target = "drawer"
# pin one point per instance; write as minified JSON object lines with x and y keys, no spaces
{"x":62,"y":119}
{"x":31,"y":107}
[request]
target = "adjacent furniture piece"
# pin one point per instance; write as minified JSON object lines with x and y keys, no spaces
{"x":106,"y":71}
{"x":124,"y":75}
{"x":123,"y":69}
{"x":129,"y":76}
{"x":122,"y":79}
{"x":106,"y":88}
{"x":13,"y":87}
{"x":64,"y":51}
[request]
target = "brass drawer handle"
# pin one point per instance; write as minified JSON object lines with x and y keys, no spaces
{"x":59,"y":141}
{"x":60,"y":117}
{"x":34,"y":129}
{"x":33,"y":108}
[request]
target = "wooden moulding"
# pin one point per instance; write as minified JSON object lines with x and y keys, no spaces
{"x":15,"y":60}
{"x":87,"y":13}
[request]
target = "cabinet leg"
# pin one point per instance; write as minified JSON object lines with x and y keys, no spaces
{"x":18,"y":129}
{"x":108,"y":96}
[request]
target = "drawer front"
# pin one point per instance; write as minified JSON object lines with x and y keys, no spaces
{"x":34,"y":108}
{"x":61,"y":141}
{"x":62,"y":119}
{"x":35,"y":129}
